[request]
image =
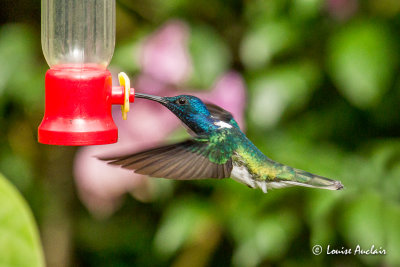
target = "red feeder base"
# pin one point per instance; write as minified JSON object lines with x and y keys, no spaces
{"x":78,"y":107}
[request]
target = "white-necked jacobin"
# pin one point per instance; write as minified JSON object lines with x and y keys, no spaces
{"x":219,"y":149}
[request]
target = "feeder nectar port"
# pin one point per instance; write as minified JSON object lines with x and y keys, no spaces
{"x":78,"y":106}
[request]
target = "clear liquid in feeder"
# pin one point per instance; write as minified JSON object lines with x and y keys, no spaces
{"x":78,"y":39}
{"x":78,"y":34}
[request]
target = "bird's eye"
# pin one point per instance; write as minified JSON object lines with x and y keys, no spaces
{"x":181,"y":101}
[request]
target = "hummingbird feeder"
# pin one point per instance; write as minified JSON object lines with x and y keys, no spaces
{"x":78,"y":39}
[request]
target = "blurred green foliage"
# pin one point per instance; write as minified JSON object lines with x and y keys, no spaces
{"x":210,"y":56}
{"x":323,"y":96}
{"x":19,"y":242}
{"x":363,"y":61}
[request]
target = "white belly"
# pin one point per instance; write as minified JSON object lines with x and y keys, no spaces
{"x":241,"y":174}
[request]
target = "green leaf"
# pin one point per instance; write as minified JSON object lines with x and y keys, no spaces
{"x":19,"y":240}
{"x":362,"y":60}
{"x":269,"y":239}
{"x":385,"y":161}
{"x":21,"y":77}
{"x":305,"y":9}
{"x":166,"y":8}
{"x":286,"y":87}
{"x":392,"y":222}
{"x":362,"y":224}
{"x":210,"y":56}
{"x":266,"y":39}
{"x":264,"y":9}
{"x":320,"y":208}
{"x":181,"y":222}
{"x":15,"y":51}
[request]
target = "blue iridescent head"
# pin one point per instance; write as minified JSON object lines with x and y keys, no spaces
{"x":189,"y":109}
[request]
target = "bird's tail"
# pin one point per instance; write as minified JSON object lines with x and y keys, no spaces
{"x":303,"y":178}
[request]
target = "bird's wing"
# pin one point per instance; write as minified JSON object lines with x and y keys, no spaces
{"x":219,"y":113}
{"x":188,"y":160}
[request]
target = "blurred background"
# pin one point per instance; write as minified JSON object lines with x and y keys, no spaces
{"x":314,"y":84}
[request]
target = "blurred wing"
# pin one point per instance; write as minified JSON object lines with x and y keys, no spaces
{"x":188,"y":160}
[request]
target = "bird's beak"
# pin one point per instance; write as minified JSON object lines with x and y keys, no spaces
{"x":151,"y":97}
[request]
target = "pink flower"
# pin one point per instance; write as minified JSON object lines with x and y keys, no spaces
{"x":165,"y":54}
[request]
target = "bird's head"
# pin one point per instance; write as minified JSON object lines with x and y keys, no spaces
{"x":189,"y":109}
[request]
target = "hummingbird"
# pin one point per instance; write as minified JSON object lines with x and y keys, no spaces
{"x":218,"y":149}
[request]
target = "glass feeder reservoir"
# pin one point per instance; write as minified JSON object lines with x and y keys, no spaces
{"x":78,"y":38}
